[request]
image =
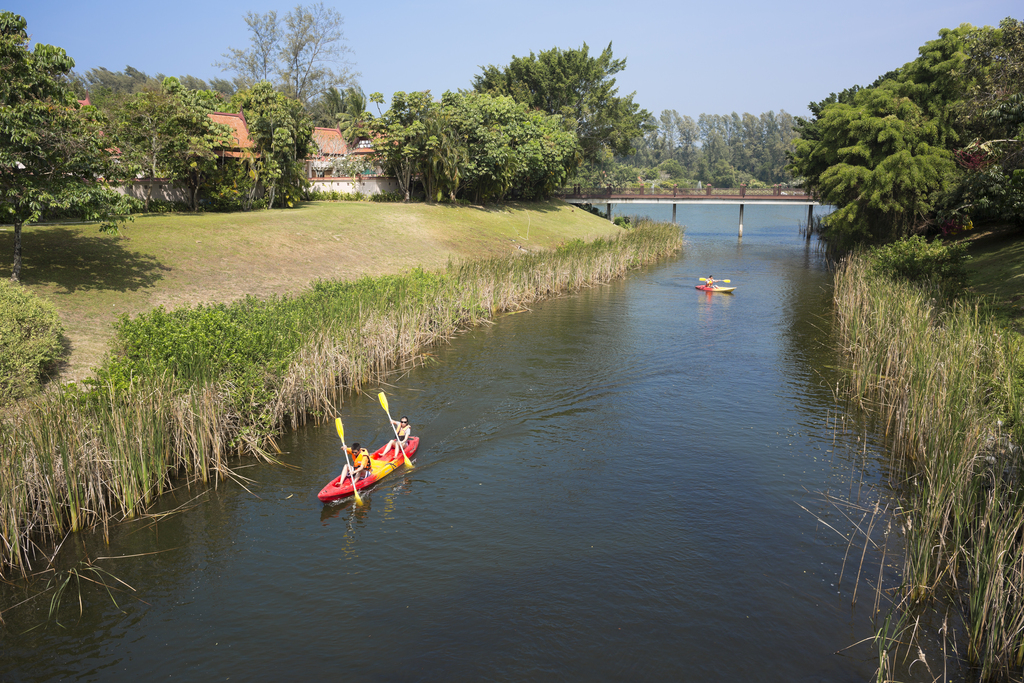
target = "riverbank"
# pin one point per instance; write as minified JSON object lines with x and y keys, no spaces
{"x":190,"y":388}
{"x":946,"y":382}
{"x":176,"y":260}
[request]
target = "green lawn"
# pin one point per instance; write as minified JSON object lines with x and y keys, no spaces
{"x":997,"y":271}
{"x":182,"y":259}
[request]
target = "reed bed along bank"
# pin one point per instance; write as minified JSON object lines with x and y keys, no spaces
{"x":186,"y":390}
{"x":948,"y":386}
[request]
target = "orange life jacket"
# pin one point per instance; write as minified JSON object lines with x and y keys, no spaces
{"x":362,"y":460}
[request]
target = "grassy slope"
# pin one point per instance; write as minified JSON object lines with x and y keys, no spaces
{"x":179,"y":260}
{"x":997,"y":271}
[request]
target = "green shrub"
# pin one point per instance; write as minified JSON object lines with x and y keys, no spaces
{"x":31,"y":338}
{"x":916,"y":260}
{"x":386,"y":197}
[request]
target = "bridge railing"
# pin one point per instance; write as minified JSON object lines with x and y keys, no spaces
{"x":578,"y":192}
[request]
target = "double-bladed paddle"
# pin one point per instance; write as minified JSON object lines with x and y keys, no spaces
{"x":398,"y":441}
{"x":351,"y":467}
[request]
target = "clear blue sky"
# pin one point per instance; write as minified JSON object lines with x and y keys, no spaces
{"x":694,"y":57}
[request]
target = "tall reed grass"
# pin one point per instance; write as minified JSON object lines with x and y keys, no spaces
{"x":946,"y":382}
{"x":184,"y":391}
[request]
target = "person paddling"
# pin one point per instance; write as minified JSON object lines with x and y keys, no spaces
{"x":709,"y":282}
{"x":404,"y":431}
{"x":360,"y":465}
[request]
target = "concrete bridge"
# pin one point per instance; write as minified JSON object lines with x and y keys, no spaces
{"x":777,"y":194}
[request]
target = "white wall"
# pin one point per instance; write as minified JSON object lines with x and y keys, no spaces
{"x":163,"y":190}
{"x":366,"y":185}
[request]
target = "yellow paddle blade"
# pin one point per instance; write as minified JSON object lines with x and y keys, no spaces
{"x":408,"y":462}
{"x":384,"y":402}
{"x":359,"y":501}
{"x":341,"y":430}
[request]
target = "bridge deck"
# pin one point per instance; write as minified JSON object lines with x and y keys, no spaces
{"x":803,"y":200}
{"x":776,"y":195}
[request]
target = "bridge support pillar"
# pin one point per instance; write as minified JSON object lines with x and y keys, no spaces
{"x":674,"y":214}
{"x":810,"y":220}
{"x":741,"y":220}
{"x":609,"y":207}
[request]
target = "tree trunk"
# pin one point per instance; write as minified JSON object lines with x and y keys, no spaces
{"x":16,"y":272}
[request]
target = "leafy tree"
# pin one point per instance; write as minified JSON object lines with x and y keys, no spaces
{"x":191,"y":157}
{"x":167,"y":133}
{"x":991,"y":117}
{"x":879,"y":160}
{"x":577,"y":87}
{"x":883,"y":154}
{"x":510,"y":150}
{"x":306,"y":51}
{"x":145,"y":132}
{"x":52,"y":154}
{"x":487,"y":147}
{"x":401,"y":141}
{"x":282,"y":136}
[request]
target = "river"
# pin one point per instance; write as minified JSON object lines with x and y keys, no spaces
{"x":627,"y":483}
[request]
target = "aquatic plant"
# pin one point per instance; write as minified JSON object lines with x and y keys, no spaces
{"x":945,"y":382}
{"x":186,"y":390}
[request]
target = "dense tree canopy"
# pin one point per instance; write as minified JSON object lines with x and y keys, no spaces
{"x":879,"y":160}
{"x":934,"y":144}
{"x":52,"y":155}
{"x":579,"y":88}
{"x":167,"y":133}
{"x":282,"y":136}
{"x":473,"y":145}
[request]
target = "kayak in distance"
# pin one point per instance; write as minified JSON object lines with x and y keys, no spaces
{"x":379,"y":468}
{"x":721,"y":290}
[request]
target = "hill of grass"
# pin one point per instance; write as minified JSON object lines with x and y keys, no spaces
{"x":997,"y":271}
{"x":182,"y":259}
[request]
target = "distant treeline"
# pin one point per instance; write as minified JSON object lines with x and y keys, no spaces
{"x":724,"y":151}
{"x":102,"y":84}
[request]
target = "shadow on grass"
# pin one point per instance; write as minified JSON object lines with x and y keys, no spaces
{"x":74,"y":261}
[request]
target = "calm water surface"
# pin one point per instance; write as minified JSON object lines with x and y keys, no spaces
{"x":609,"y":487}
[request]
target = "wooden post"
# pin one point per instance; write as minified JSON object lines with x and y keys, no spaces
{"x":741,"y":221}
{"x":810,"y":220}
{"x":609,"y":207}
{"x":673,"y":213}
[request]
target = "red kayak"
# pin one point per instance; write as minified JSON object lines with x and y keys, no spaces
{"x":336,"y":490}
{"x":723,"y":290}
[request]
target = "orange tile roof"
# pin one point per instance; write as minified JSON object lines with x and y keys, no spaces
{"x":329,"y":141}
{"x":239,"y":129}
